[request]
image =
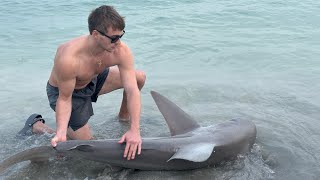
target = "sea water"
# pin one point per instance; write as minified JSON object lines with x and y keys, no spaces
{"x":217,"y":60}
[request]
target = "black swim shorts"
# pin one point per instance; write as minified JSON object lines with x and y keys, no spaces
{"x":81,"y":100}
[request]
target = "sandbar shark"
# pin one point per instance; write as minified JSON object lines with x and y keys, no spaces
{"x":190,"y":146}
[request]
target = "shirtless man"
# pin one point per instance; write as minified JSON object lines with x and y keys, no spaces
{"x":87,"y":67}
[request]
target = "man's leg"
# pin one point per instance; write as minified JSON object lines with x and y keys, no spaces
{"x":82,"y":133}
{"x":123,"y":113}
{"x":113,"y":82}
{"x":40,"y":128}
{"x":77,"y":119}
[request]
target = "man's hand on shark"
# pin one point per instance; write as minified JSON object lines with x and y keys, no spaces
{"x":133,"y":143}
{"x":58,"y":138}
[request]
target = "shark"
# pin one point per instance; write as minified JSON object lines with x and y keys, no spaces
{"x":190,"y":145}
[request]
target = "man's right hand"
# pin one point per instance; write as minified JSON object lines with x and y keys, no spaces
{"x":57,"y":139}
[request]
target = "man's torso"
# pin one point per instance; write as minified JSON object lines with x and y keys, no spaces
{"x":87,"y":67}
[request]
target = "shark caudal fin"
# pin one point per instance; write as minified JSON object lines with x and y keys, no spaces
{"x":41,"y":153}
{"x":178,"y":121}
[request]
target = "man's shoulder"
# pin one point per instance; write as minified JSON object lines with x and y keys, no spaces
{"x":123,"y":50}
{"x":70,"y":49}
{"x":124,"y":56}
{"x":72,"y":46}
{"x":66,"y":57}
{"x":64,"y":54}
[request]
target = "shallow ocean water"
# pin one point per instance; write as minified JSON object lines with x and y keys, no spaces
{"x":218,"y":60}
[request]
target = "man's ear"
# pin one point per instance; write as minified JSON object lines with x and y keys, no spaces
{"x":95,"y":33}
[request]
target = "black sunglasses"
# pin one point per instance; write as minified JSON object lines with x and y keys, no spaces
{"x":114,"y":38}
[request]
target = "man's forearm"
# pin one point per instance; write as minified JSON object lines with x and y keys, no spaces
{"x":63,"y":112}
{"x":134,"y":108}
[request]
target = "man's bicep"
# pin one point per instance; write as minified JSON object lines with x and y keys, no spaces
{"x":128,"y":77}
{"x":127,"y":71}
{"x":66,"y":88}
{"x":66,"y":77}
{"x":66,"y":83}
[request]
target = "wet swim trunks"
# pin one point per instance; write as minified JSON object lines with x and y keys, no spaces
{"x":81,"y":100}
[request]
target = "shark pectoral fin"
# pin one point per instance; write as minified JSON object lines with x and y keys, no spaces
{"x":194,"y":152}
{"x":83,"y":148}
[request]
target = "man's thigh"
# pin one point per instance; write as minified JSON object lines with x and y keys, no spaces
{"x":83,"y":133}
{"x":113,"y":81}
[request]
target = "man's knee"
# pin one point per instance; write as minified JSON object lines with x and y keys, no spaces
{"x":141,"y":78}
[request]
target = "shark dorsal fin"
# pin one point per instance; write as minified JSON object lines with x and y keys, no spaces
{"x":178,"y":121}
{"x":199,"y":152}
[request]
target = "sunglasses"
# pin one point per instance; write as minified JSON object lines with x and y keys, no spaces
{"x":114,"y":38}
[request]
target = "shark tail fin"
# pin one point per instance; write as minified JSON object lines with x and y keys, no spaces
{"x":177,"y":120}
{"x":41,"y":153}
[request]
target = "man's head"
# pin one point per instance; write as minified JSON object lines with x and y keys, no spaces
{"x":105,"y":17}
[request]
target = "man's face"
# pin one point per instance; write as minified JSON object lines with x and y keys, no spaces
{"x":110,"y":40}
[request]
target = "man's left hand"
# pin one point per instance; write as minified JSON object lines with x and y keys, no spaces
{"x":133,"y":143}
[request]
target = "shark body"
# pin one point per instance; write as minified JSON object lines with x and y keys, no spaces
{"x":190,"y":146}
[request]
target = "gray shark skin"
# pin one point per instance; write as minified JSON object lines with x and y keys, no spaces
{"x":189,"y":146}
